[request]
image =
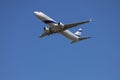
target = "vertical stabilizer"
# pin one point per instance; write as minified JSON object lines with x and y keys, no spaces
{"x":78,"y":32}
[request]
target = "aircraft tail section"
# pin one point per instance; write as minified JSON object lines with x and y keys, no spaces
{"x":78,"y":32}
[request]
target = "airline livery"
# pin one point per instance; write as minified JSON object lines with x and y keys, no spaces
{"x":58,"y":27}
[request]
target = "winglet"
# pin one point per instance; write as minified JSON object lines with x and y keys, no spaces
{"x":90,"y":19}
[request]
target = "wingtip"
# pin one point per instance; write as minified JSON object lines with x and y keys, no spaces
{"x":90,"y":19}
{"x":40,"y":36}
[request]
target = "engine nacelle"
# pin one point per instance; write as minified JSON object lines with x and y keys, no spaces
{"x":60,"y":24}
{"x":46,"y":29}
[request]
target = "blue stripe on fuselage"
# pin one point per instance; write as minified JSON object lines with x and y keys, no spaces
{"x":49,"y":21}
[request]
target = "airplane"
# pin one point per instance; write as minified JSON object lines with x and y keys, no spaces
{"x":58,"y":27}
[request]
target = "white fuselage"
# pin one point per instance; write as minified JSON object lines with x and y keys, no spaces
{"x":54,"y":26}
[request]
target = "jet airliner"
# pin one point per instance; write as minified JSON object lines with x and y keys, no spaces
{"x":58,"y":27}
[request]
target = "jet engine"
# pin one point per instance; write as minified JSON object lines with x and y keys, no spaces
{"x":60,"y":24}
{"x":46,"y":29}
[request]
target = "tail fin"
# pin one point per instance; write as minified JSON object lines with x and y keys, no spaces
{"x":78,"y":32}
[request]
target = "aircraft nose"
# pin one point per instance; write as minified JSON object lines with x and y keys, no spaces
{"x":35,"y":12}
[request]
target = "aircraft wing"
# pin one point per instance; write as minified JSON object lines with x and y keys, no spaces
{"x":45,"y":34}
{"x":66,"y":26}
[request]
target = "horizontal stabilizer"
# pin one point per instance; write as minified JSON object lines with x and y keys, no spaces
{"x":80,"y":39}
{"x":83,"y":38}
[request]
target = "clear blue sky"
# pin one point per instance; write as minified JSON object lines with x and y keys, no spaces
{"x":24,"y":56}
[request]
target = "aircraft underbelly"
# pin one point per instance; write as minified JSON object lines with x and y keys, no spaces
{"x":70,"y":35}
